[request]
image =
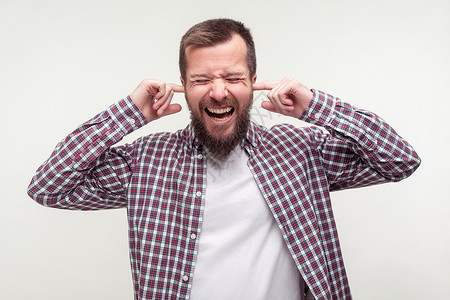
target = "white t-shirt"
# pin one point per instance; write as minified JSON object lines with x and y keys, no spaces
{"x":242,"y":254}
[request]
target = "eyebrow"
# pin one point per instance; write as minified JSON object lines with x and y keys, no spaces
{"x":198,"y":75}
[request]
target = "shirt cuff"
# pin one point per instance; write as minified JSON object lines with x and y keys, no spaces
{"x":321,"y":109}
{"x":126,"y":115}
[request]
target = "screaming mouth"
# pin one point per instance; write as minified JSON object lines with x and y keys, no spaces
{"x":220,"y":114}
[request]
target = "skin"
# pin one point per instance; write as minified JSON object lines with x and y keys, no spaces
{"x":218,"y":80}
{"x":215,"y":74}
{"x":287,"y":97}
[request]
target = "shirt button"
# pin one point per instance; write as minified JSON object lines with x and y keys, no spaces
{"x":130,"y":120}
{"x":317,"y":116}
{"x":200,"y":156}
{"x":185,"y":278}
{"x":193,"y":236}
{"x":198,"y":194}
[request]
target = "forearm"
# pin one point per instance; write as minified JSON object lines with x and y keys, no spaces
{"x":376,"y":145}
{"x":69,"y":178}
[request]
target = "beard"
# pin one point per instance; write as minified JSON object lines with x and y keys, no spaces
{"x":221,"y":145}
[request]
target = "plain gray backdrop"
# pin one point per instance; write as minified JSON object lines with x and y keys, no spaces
{"x":61,"y":62}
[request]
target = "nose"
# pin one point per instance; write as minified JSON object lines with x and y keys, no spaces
{"x":218,"y":90}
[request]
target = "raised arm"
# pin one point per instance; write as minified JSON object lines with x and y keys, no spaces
{"x":84,"y":171}
{"x":360,"y":149}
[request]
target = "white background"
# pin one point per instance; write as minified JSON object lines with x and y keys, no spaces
{"x":63,"y":61}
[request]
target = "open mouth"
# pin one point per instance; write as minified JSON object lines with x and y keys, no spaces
{"x":220,"y":114}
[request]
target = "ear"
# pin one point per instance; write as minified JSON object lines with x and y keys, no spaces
{"x":182,"y":81}
{"x":254,"y":78}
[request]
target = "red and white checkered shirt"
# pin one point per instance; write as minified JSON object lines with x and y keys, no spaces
{"x":161,"y":180}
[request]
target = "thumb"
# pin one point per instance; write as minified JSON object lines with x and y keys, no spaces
{"x":171,"y":109}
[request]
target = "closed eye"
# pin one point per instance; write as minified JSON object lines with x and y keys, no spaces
{"x":201,"y":81}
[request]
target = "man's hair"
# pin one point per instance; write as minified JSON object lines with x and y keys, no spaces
{"x":213,"y":32}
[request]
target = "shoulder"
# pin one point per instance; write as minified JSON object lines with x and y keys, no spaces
{"x":163,"y":141}
{"x":288,"y":140}
{"x":288,"y":133}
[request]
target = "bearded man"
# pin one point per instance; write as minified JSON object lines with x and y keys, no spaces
{"x":225,"y":208}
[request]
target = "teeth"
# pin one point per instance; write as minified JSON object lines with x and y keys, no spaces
{"x":220,"y":119}
{"x":220,"y":110}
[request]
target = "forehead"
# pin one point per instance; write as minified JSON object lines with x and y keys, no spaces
{"x":229,"y":56}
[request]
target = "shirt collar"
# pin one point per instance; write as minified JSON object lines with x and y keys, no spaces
{"x":189,"y":135}
{"x":252,"y":138}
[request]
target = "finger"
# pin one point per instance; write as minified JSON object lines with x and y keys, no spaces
{"x":176,"y":88}
{"x":274,"y":100}
{"x":164,"y":102}
{"x":265,"y":85}
{"x":276,"y":97}
{"x":171,"y":109}
{"x":267,"y":105}
{"x":152,"y":87}
{"x":286,"y":101}
{"x":165,"y":91}
{"x":161,"y":91}
{"x":283,"y":92}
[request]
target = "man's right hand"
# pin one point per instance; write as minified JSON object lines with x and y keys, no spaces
{"x":153,"y":98}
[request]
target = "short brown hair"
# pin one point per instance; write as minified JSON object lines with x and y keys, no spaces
{"x":215,"y":31}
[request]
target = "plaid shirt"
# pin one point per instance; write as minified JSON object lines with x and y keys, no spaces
{"x":161,"y":180}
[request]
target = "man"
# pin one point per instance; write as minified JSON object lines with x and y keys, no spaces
{"x":226,"y":209}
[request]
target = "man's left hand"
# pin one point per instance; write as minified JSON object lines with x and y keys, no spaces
{"x":287,"y":97}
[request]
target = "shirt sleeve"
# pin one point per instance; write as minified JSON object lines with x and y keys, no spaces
{"x":360,"y":148}
{"x":84,"y":172}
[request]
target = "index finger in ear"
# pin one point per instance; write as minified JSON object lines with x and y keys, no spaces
{"x":265,"y":85}
{"x":176,"y":88}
